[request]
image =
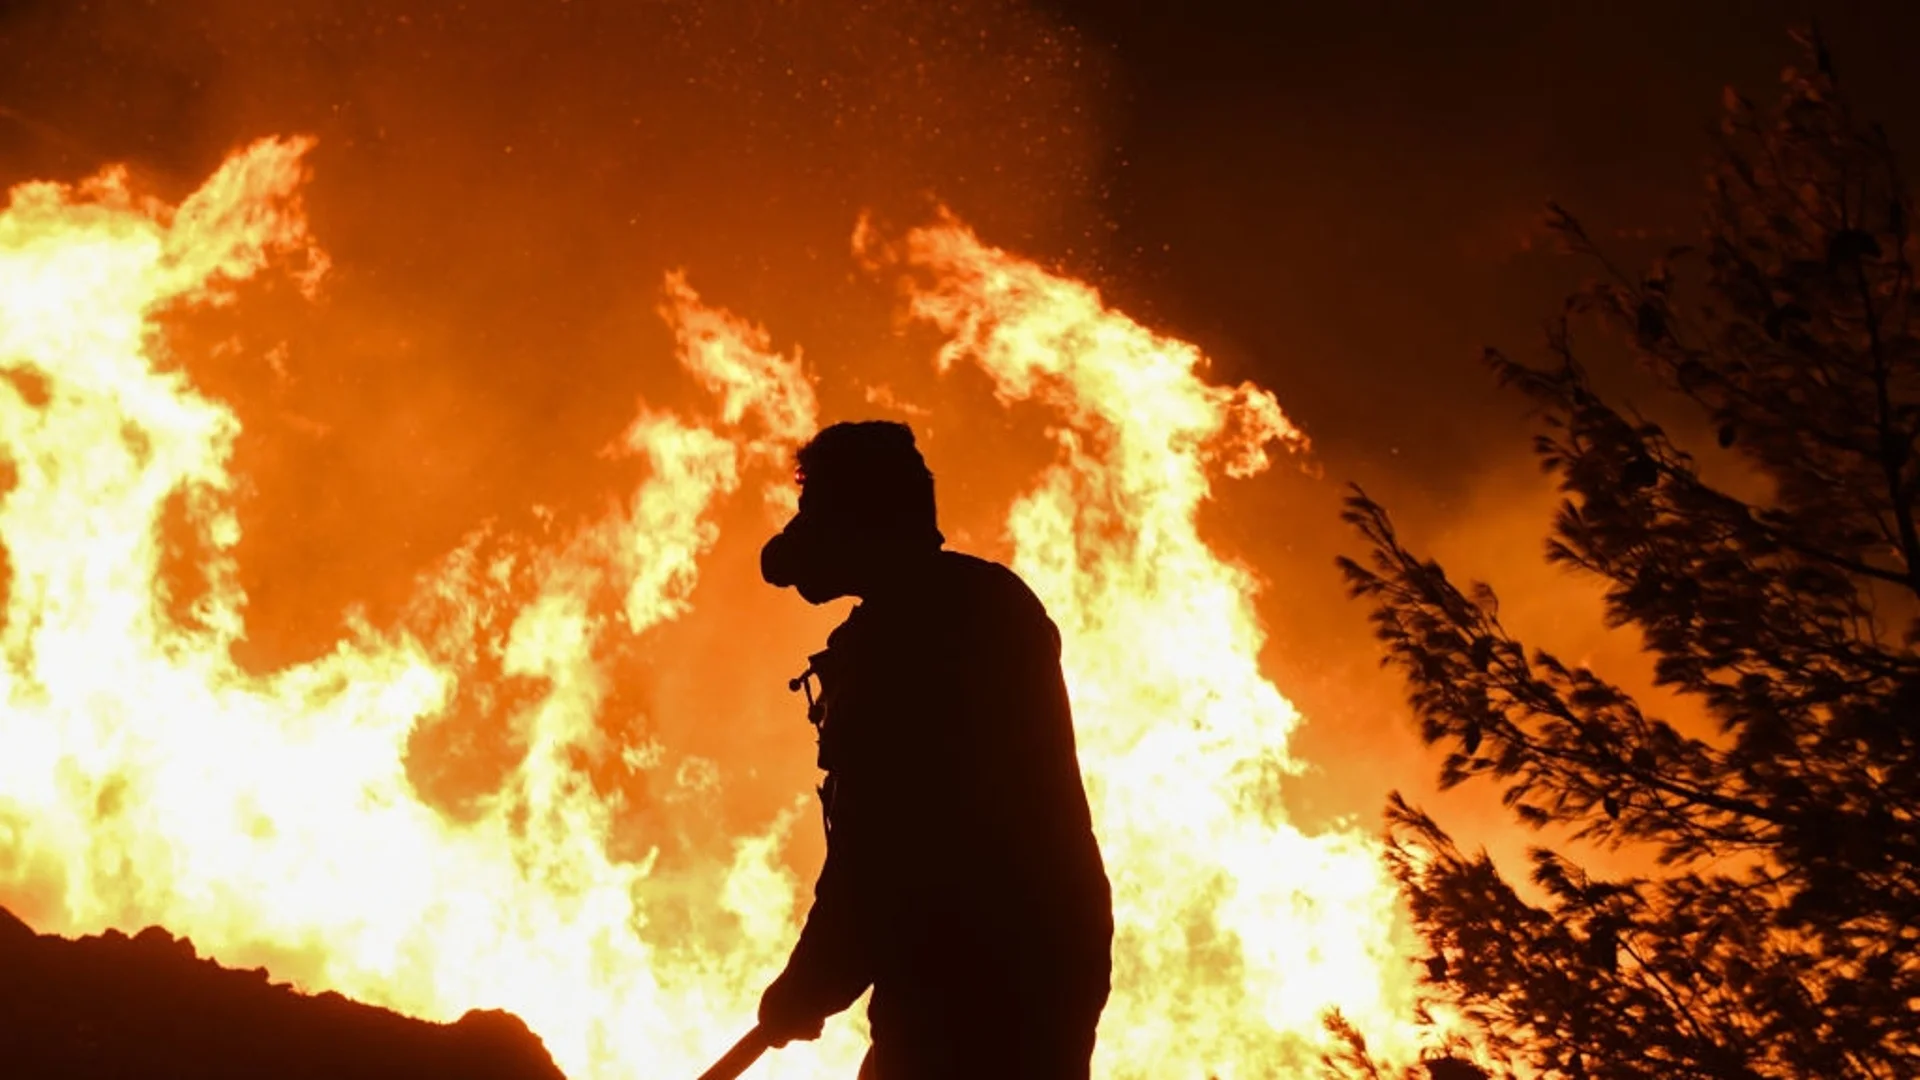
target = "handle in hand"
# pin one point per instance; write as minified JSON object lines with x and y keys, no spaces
{"x":737,"y":1060}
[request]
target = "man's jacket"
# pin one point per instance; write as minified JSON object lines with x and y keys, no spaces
{"x":962,"y":880}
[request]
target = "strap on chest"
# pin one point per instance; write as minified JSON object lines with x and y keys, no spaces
{"x":817,"y":666}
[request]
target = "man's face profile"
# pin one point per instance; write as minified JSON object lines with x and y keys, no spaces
{"x":815,"y":553}
{"x":866,"y":511}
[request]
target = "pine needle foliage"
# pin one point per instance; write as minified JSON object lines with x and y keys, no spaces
{"x":1777,"y":933}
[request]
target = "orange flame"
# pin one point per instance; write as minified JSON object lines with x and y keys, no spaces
{"x":1235,"y":931}
{"x":147,"y":778}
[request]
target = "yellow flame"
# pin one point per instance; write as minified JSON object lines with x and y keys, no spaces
{"x":147,"y":778}
{"x":1234,"y":931}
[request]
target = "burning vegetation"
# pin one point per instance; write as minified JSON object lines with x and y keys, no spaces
{"x":151,"y":779}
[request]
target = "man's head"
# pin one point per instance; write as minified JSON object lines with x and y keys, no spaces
{"x":866,"y":508}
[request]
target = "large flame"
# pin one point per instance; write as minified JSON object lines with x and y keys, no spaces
{"x":147,"y":778}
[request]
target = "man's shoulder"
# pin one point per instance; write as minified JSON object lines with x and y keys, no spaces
{"x":958,"y":598}
{"x":987,"y":589}
{"x":982,"y":577}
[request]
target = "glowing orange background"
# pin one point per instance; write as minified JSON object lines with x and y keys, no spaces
{"x":501,"y":187}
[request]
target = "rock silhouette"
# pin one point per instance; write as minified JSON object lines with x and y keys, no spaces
{"x":110,"y":1007}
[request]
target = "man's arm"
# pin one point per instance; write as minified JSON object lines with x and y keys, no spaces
{"x":830,"y":967}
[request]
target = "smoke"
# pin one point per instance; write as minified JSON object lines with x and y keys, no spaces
{"x":502,"y":187}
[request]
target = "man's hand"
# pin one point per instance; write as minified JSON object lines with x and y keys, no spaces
{"x":782,"y":1022}
{"x":802,"y":1032}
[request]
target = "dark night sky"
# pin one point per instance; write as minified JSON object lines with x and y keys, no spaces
{"x":1339,"y":200}
{"x":1352,"y":182}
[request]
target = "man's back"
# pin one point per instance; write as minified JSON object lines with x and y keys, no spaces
{"x":953,"y":727}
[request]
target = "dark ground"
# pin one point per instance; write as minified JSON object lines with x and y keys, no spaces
{"x":145,"y":1007}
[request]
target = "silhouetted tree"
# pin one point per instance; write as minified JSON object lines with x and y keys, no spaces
{"x":1780,"y":934}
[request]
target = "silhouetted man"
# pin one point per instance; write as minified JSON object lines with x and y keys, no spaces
{"x":962,"y":881}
